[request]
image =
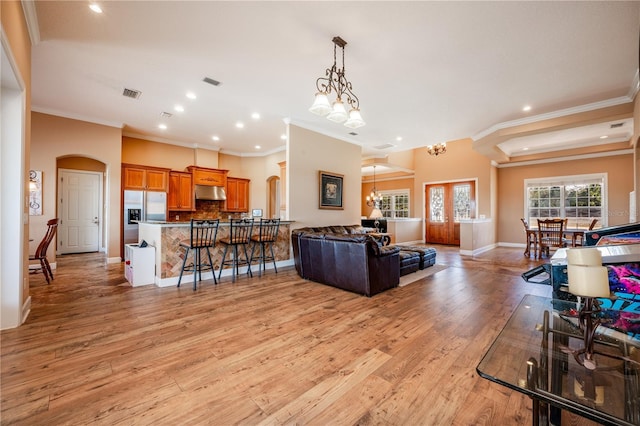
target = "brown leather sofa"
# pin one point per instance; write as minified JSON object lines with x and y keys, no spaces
{"x":345,"y":257}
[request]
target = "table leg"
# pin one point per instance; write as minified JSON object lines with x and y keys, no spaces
{"x":532,"y":383}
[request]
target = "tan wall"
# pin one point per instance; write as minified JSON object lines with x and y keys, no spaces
{"x":54,"y":137}
{"x":81,"y":163}
{"x":460,"y":162}
{"x":635,"y":142}
{"x":308,"y":153}
{"x":511,"y":196}
{"x":19,"y":44}
{"x":157,"y":154}
{"x":389,"y":185}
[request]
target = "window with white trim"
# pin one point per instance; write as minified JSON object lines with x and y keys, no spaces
{"x":579,"y":198}
{"x":395,"y":204}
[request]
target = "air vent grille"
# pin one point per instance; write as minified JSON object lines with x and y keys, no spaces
{"x":384,"y":146}
{"x":616,"y":125}
{"x":166,"y":114}
{"x":353,"y":133}
{"x":130,"y":93}
{"x":211,"y":81}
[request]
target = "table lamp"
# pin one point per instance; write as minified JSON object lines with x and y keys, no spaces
{"x":376,"y":214}
{"x":588,"y":279}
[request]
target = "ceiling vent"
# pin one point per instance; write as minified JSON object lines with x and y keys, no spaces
{"x":211,"y":81}
{"x":353,"y":133}
{"x":130,"y":93}
{"x":616,"y":125}
{"x":166,"y":114}
{"x":384,"y":146}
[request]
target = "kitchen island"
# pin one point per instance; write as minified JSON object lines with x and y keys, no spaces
{"x":166,"y":237}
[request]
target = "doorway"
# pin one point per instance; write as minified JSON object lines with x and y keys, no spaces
{"x":273,"y":197}
{"x":446,"y":205}
{"x":80,"y":195}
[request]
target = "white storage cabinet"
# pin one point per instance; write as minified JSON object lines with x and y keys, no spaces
{"x":139,"y":264}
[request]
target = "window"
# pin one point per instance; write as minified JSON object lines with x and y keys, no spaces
{"x":395,"y":204}
{"x":579,"y":198}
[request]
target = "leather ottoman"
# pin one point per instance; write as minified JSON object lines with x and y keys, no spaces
{"x":427,"y":255}
{"x":409,"y":262}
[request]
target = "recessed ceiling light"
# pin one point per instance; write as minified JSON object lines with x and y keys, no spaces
{"x":283,"y":137}
{"x":215,"y":138}
{"x":255,"y":116}
{"x":258,"y":147}
{"x":191,"y":95}
{"x":399,"y":138}
{"x":162,"y":126}
{"x":525,"y":149}
{"x":526,"y":108}
{"x":95,"y":8}
{"x":240,"y":125}
{"x":604,"y":137}
{"x":179,"y":108}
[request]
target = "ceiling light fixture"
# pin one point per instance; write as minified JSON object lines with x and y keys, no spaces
{"x":95,"y":8}
{"x":375,"y":198}
{"x":191,"y":95}
{"x":526,"y":108}
{"x":255,"y":116}
{"x":437,"y":149}
{"x":179,"y":108}
{"x":240,"y":125}
{"x":335,"y":81}
{"x":215,"y":138}
{"x":604,"y":137}
{"x":162,"y":126}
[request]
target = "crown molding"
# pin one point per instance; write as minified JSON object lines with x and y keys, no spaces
{"x":78,"y":117}
{"x":554,"y":114}
{"x":567,"y":158}
{"x":31,"y":16}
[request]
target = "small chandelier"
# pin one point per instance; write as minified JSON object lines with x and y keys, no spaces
{"x":375,"y":198}
{"x":437,"y":149}
{"x":335,"y":81}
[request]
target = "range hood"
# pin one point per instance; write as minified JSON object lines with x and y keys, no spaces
{"x":205,"y":192}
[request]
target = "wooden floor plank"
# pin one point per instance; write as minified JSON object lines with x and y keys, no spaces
{"x":274,"y":349}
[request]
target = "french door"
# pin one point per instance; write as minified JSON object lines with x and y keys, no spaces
{"x":448,"y":204}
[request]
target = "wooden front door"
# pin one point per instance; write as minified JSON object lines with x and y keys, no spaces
{"x":447,"y":204}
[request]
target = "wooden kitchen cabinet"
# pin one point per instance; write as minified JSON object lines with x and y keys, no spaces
{"x":180,"y":191}
{"x":145,"y":178}
{"x":209,"y":177}
{"x":237,"y":195}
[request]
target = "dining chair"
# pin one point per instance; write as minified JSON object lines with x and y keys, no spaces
{"x":550,"y":235}
{"x":203,"y":234}
{"x":579,"y":239}
{"x":239,"y":236}
{"x":532,"y":239}
{"x":267,"y":236}
{"x":41,"y":250}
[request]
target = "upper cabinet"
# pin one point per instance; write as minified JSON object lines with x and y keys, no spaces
{"x":145,"y":178}
{"x":180,"y":192}
{"x":237,"y":195}
{"x":209,"y":177}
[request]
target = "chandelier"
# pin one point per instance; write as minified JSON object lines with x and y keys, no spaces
{"x":437,"y":149}
{"x":375,"y":198}
{"x":335,"y":81}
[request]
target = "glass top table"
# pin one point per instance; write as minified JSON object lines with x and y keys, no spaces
{"x":535,"y":354}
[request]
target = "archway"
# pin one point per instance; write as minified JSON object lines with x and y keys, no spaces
{"x":273,"y":197}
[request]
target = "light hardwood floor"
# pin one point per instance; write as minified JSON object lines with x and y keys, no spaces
{"x":270,"y":350}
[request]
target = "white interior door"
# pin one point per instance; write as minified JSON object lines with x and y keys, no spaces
{"x":80,"y":200}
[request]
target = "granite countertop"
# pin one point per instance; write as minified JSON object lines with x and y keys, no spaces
{"x":188,"y":223}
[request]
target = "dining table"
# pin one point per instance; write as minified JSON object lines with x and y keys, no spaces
{"x":573,"y":234}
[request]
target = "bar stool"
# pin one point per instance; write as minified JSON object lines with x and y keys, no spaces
{"x":267,"y":235}
{"x":239,"y":235}
{"x":203,"y":237}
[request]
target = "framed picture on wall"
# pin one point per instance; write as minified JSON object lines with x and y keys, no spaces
{"x":331,"y":190}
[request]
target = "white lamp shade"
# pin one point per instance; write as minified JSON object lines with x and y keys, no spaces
{"x":588,"y":281}
{"x":355,"y":119}
{"x":338,"y":114}
{"x":588,"y":256}
{"x":321,"y":105}
{"x":376,"y":214}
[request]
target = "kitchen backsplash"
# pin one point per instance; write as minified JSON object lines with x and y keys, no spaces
{"x":205,"y":209}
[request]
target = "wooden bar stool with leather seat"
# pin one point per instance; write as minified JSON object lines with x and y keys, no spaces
{"x":267,"y":235}
{"x":203,"y":237}
{"x":41,"y":251}
{"x":239,"y":235}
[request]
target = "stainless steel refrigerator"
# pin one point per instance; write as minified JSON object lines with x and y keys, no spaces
{"x":142,"y":206}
